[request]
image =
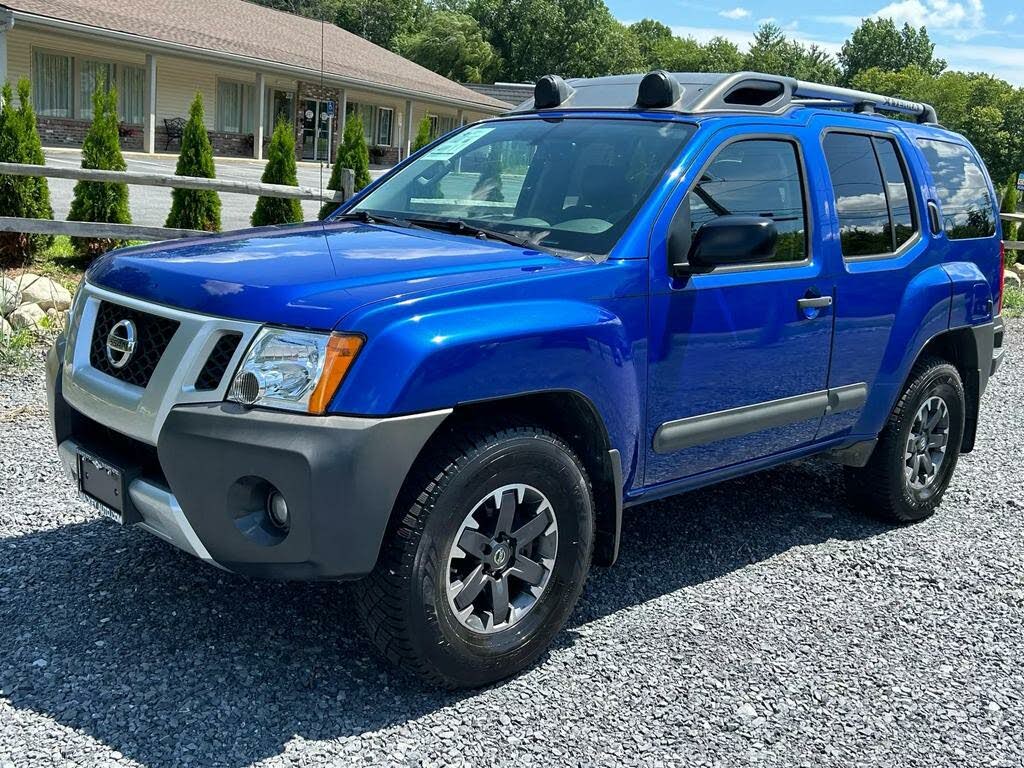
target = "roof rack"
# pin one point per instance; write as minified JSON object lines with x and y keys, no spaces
{"x":703,"y":93}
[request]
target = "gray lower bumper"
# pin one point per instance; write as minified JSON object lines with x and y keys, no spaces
{"x":206,"y":482}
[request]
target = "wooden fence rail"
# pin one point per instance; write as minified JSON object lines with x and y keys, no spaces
{"x":137,"y":232}
{"x":1013,"y":245}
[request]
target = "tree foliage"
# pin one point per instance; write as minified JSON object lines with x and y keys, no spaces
{"x":22,"y":196}
{"x":773,"y":53}
{"x":880,"y":44}
{"x":100,"y":200}
{"x":280,"y":169}
{"x":353,"y":154}
{"x":195,"y":208}
{"x":380,"y":21}
{"x":453,"y":45}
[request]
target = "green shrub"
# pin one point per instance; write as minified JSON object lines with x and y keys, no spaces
{"x":101,"y":201}
{"x":1013,"y":301}
{"x":422,"y":135}
{"x":21,"y":196}
{"x":280,"y":169}
{"x":1010,"y":199}
{"x":353,"y":154}
{"x":195,"y":208}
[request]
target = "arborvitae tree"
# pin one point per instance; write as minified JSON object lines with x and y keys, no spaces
{"x":352,"y":154}
{"x":1010,"y":200}
{"x":195,"y":208}
{"x":280,"y":169}
{"x":16,"y":197}
{"x":100,"y":200}
{"x":33,"y":154}
{"x":422,"y":135}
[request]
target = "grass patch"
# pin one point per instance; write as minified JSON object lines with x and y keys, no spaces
{"x":1013,"y":301}
{"x":16,"y":349}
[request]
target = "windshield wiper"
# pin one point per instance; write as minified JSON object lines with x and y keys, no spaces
{"x":374,"y":218}
{"x":460,"y":227}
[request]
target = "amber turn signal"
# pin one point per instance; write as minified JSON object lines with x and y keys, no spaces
{"x":341,"y":351}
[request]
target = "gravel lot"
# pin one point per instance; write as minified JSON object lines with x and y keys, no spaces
{"x":760,"y":622}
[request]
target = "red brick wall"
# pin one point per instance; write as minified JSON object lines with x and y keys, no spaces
{"x":62,"y":132}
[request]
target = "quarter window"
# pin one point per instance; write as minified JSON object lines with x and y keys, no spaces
{"x":755,"y":177}
{"x":962,"y":189}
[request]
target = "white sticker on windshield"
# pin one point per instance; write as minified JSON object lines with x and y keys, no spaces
{"x":458,"y":143}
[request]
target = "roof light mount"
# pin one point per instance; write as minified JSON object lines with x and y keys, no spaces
{"x":551,"y":91}
{"x":658,"y":90}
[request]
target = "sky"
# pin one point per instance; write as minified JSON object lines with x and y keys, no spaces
{"x":973,"y":35}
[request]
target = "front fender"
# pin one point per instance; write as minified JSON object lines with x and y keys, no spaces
{"x":449,"y":356}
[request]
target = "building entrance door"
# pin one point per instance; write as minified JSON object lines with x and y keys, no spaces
{"x":317,"y":130}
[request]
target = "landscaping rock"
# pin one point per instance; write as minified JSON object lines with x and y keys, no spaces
{"x":5,"y":329}
{"x":43,"y":291}
{"x":27,"y":316}
{"x":10,"y":296}
{"x":58,"y":318}
{"x":1009,"y":276}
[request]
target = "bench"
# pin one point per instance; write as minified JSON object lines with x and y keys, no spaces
{"x":174,"y":128}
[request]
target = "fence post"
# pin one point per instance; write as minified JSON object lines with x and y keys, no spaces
{"x":348,"y":182}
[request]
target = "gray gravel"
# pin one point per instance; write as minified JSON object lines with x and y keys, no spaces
{"x":760,"y":622}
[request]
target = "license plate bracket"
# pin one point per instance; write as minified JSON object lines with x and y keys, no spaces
{"x":105,"y":486}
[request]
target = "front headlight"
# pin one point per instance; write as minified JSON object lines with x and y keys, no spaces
{"x":294,"y":370}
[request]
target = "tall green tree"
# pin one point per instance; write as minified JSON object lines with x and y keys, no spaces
{"x":39,"y":189}
{"x":280,"y":169}
{"x":452,"y":45}
{"x":353,"y":154}
{"x":651,"y":36}
{"x":1011,"y":197}
{"x":195,"y":208}
{"x":880,"y":44}
{"x":773,"y":53}
{"x":101,"y":201}
{"x":379,"y":21}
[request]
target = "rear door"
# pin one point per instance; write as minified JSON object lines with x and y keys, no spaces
{"x":737,"y":366}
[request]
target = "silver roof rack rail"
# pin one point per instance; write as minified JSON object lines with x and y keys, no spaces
{"x":703,"y":93}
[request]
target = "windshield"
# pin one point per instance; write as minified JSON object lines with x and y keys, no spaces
{"x":570,"y":184}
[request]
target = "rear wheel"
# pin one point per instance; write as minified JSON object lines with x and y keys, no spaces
{"x":912,"y":465}
{"x":485,"y":558}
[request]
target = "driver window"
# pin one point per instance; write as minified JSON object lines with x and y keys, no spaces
{"x":755,"y":177}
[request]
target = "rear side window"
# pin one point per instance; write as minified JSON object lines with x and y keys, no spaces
{"x":872,"y":194}
{"x":755,"y":177}
{"x":962,"y":189}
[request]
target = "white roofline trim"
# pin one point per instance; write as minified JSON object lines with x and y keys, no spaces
{"x":258,"y":65}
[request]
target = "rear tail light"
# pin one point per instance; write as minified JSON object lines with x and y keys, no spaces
{"x":1002,"y":277}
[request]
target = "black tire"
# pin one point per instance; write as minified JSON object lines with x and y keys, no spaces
{"x":405,"y":602}
{"x":882,"y":488}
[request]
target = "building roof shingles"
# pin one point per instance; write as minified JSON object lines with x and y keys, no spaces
{"x":246,"y":29}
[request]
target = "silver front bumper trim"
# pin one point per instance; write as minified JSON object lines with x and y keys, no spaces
{"x":160,"y":511}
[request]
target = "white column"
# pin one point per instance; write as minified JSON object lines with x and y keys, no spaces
{"x":408,"y":128}
{"x":259,"y":124}
{"x":461,"y":120}
{"x":149,"y":99}
{"x":6,"y":24}
{"x":342,"y":106}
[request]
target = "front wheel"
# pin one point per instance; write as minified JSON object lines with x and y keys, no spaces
{"x":485,"y":558}
{"x":917,"y":451}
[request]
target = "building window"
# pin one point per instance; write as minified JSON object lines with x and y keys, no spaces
{"x":281,"y":107}
{"x":51,"y":83}
{"x":440,"y":125}
{"x":234,"y":107}
{"x":385,"y":119}
{"x":132,"y":94}
{"x":91,"y":76}
{"x":365,"y":113}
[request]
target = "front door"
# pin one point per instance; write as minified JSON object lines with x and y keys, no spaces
{"x":739,"y":357}
{"x":317,"y":130}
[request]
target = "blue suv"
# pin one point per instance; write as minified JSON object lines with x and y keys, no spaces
{"x":625,"y":288}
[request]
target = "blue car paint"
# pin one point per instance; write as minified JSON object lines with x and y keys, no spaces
{"x":452,"y":320}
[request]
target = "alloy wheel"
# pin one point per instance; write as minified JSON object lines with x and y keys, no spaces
{"x":502,"y":558}
{"x":927,"y":443}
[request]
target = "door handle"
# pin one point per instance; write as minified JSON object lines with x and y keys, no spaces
{"x":814,"y":302}
{"x":933,"y":217}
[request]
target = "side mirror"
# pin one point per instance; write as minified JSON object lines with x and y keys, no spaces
{"x":732,"y":240}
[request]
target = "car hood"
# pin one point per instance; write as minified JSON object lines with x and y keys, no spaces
{"x":308,"y":275}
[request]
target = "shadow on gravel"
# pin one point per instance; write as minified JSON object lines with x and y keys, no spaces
{"x":115,"y":634}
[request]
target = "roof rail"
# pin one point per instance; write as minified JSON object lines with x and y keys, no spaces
{"x":702,"y":93}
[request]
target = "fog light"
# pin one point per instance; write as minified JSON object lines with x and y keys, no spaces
{"x":247,"y":388}
{"x":277,"y":510}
